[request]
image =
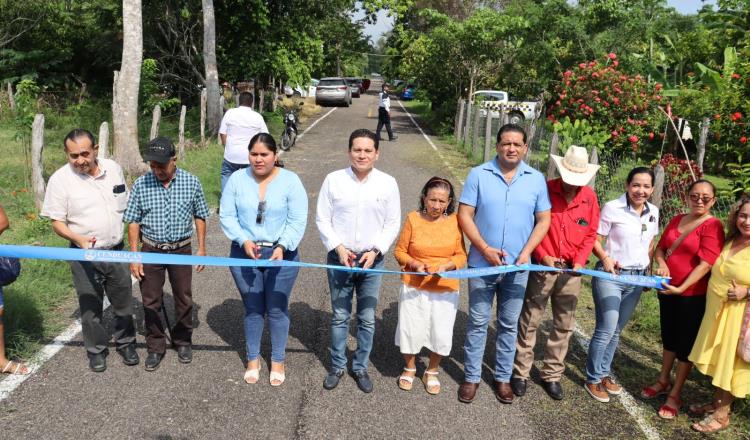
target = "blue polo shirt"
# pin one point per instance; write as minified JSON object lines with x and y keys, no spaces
{"x":504,"y":212}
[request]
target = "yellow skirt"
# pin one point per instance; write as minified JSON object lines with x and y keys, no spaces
{"x":715,"y":350}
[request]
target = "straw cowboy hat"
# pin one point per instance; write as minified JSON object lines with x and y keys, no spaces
{"x":575,"y":168}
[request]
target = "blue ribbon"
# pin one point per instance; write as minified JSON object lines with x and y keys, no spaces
{"x":110,"y":256}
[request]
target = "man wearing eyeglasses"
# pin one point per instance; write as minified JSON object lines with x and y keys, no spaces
{"x":85,"y":200}
{"x":163,"y":207}
{"x":358,"y":217}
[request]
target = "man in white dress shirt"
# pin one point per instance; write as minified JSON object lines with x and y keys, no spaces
{"x":384,"y":113}
{"x":358,"y":216}
{"x":238,"y":126}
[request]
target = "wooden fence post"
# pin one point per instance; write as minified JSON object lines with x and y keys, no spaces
{"x":553,"y":149}
{"x":37,"y":146}
{"x":155,"y":121}
{"x":181,"y":135}
{"x":705,"y":123}
{"x":656,"y":196}
{"x":467,"y":125}
{"x":104,"y":140}
{"x":459,"y":119}
{"x":204,"y":98}
{"x":475,"y":135}
{"x":488,"y":137}
{"x":594,"y":160}
{"x":11,"y":98}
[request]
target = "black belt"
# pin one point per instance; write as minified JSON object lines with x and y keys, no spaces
{"x":563,"y":265}
{"x":166,"y":246}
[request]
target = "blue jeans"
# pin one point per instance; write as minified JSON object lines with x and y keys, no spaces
{"x":509,"y":289}
{"x":343,"y":286}
{"x":265,"y":291}
{"x":614,"y":303}
{"x":227,"y":168}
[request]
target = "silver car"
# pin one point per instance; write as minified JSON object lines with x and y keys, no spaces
{"x":333,"y":90}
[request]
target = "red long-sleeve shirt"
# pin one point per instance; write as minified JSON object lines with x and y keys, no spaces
{"x":572,"y":232}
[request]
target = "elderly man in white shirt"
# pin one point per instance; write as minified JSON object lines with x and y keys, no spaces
{"x":86,"y":200}
{"x":238,"y":126}
{"x":358,"y":216}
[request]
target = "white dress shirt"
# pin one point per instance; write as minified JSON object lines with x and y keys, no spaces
{"x":90,"y":206}
{"x":240,"y":124}
{"x":361,"y":215}
{"x":385,"y":101}
{"x":628,"y":234}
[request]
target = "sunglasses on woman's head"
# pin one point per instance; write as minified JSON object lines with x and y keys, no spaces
{"x":261,"y":212}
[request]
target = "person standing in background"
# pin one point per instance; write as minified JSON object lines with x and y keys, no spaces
{"x":238,"y":126}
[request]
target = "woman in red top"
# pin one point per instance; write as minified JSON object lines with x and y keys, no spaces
{"x":688,"y":261}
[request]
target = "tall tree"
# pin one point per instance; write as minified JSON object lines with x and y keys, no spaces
{"x":125,"y":91}
{"x":213,"y":108}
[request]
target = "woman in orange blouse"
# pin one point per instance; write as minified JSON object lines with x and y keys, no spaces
{"x":430,"y":242}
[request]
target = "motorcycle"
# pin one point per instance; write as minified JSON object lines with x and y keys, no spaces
{"x":290,"y":127}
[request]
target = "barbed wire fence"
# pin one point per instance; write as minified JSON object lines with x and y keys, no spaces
{"x":475,"y":134}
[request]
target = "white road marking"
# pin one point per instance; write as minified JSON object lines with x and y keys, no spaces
{"x":281,"y":152}
{"x":429,"y":141}
{"x":13,"y":381}
{"x":626,"y":399}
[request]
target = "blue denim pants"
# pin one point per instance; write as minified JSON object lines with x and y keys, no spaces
{"x":614,"y":303}
{"x":265,"y":292}
{"x":227,"y":168}
{"x":509,"y":289}
{"x":344,"y":286}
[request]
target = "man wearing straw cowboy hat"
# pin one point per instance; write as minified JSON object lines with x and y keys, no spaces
{"x":567,"y":245}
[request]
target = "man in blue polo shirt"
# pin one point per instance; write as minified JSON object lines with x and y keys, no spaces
{"x":505,"y":212}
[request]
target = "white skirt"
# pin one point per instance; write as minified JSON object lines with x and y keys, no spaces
{"x":425,"y":319}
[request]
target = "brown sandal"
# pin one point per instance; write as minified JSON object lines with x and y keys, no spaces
{"x":711,"y":423}
{"x":702,"y":409}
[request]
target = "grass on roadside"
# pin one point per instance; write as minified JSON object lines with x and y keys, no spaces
{"x":42,"y":301}
{"x":639,"y":357}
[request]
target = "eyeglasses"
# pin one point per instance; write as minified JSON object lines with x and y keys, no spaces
{"x":261,"y":211}
{"x":698,"y":198}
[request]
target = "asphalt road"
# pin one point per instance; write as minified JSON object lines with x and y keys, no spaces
{"x":208,"y":398}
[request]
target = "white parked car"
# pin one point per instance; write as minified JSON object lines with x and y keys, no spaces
{"x":300,"y":91}
{"x":496,"y":100}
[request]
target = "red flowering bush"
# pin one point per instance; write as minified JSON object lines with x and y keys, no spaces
{"x":612,"y":101}
{"x":677,"y":178}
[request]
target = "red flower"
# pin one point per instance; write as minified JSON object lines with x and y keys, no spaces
{"x":735,"y":76}
{"x":736,"y":116}
{"x":658,"y":86}
{"x":582,"y":65}
{"x":743,"y":139}
{"x":615,"y":133}
{"x":633,"y":138}
{"x":651,"y":136}
{"x":717,"y":116}
{"x":612,"y":56}
{"x":615,"y":63}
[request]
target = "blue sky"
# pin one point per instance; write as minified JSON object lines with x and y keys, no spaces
{"x":385,"y":23}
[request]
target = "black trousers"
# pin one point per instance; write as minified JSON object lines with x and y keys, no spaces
{"x":680,"y":318}
{"x":384,"y":119}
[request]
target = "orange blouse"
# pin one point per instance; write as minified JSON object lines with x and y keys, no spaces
{"x":433,"y":243}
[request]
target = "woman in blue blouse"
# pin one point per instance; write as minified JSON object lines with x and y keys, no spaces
{"x":264,"y":212}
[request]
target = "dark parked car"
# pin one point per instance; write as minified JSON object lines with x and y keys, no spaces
{"x":356,"y":85}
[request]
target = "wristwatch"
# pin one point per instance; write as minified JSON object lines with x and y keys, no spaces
{"x":377,"y":252}
{"x":277,"y":245}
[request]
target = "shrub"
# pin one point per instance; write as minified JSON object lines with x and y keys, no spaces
{"x":620,"y":104}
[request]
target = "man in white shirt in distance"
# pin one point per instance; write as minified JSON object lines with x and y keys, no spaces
{"x":238,"y":126}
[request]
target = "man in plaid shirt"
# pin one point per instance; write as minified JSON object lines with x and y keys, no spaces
{"x":162,"y":208}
